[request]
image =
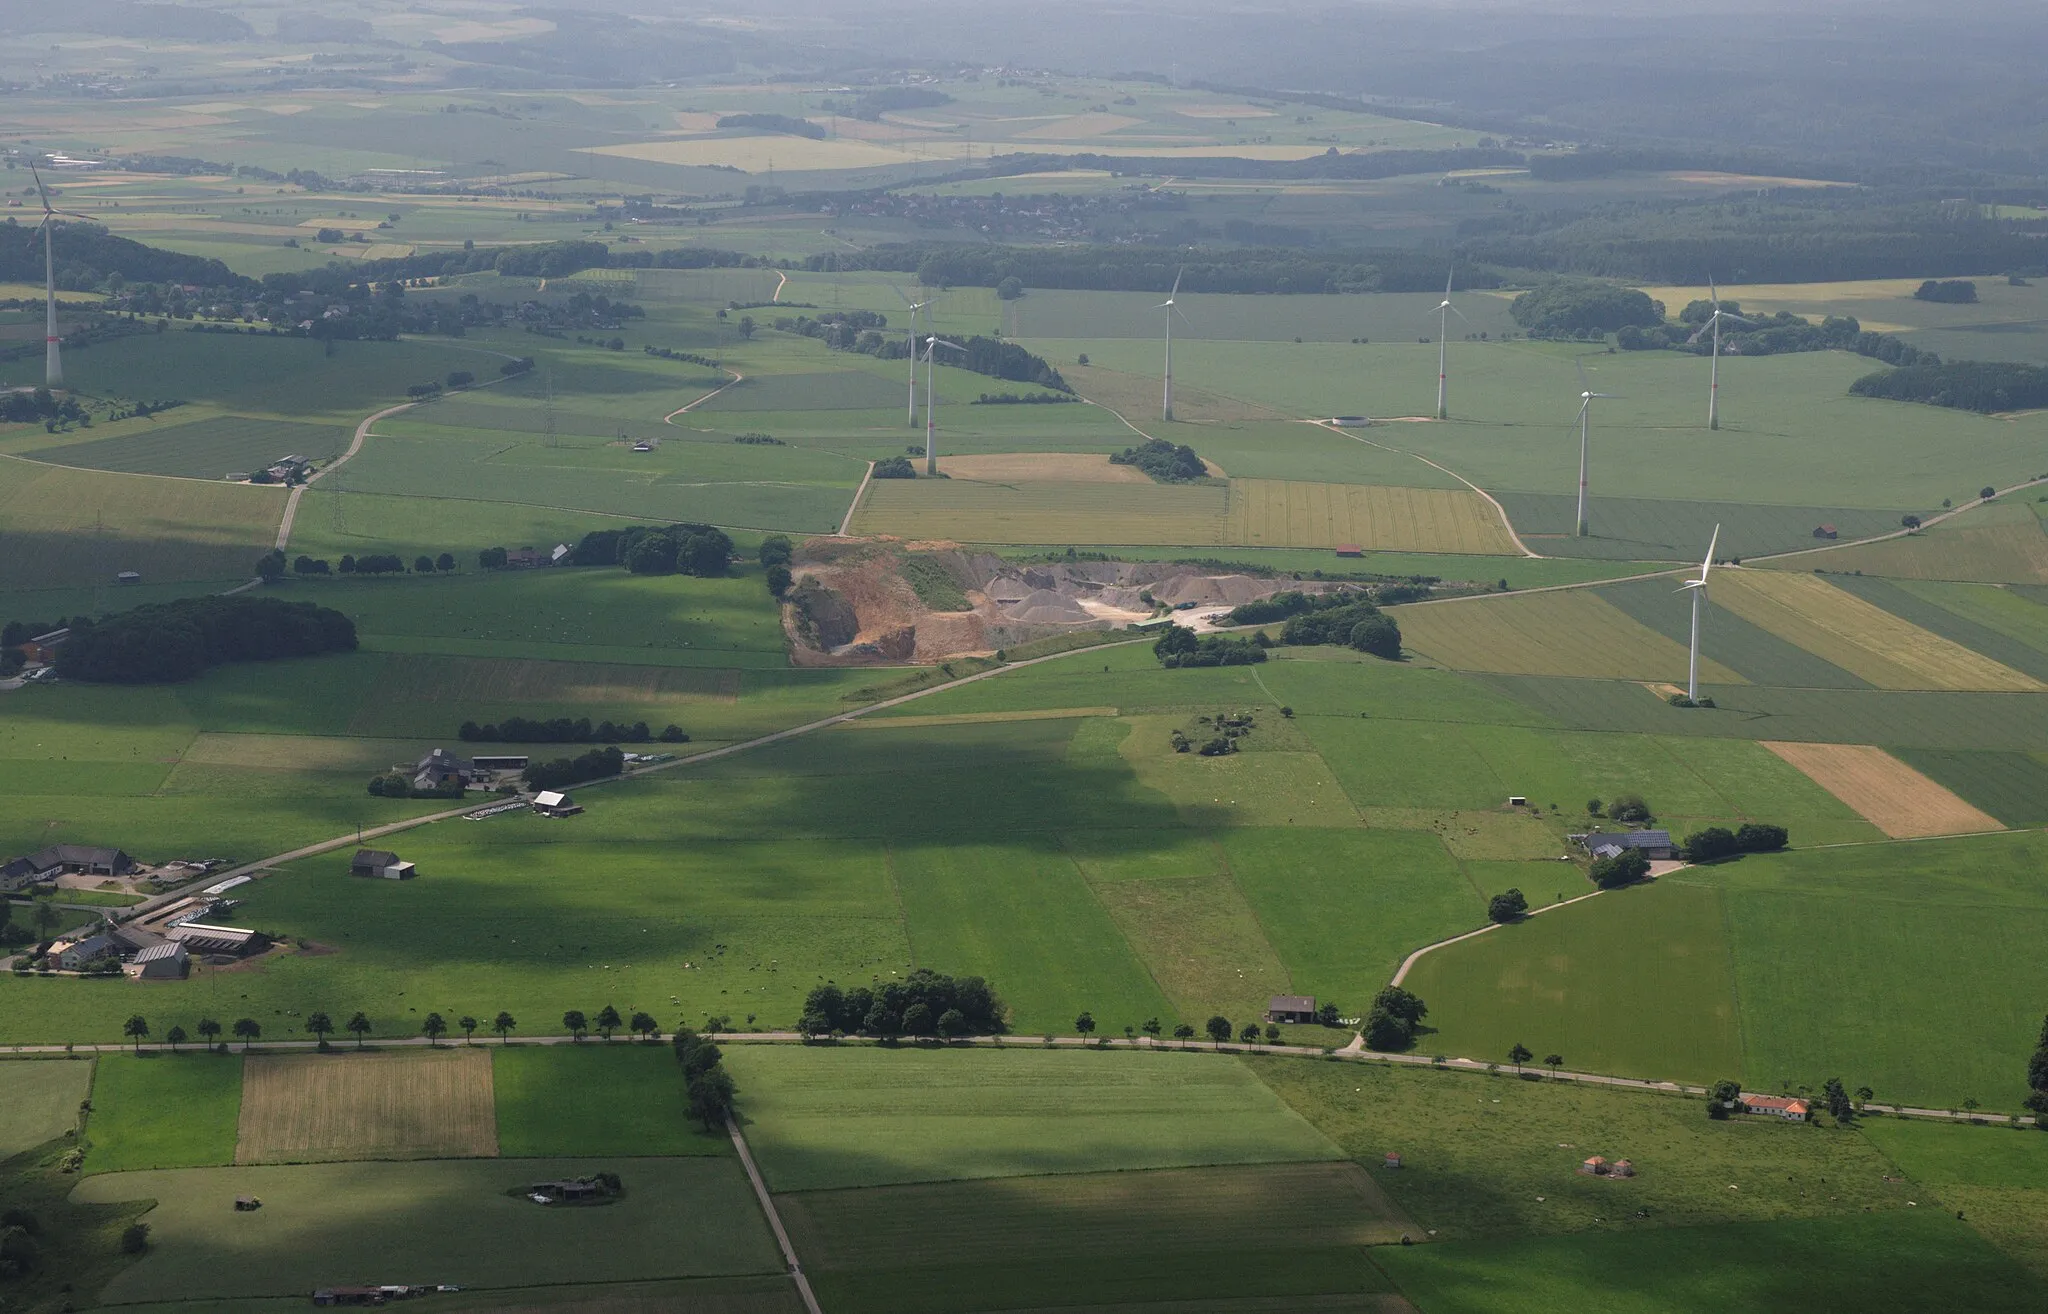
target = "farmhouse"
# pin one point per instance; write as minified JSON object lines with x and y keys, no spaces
{"x":1825,"y":531}
{"x":380,"y":862}
{"x":440,"y":769}
{"x":1777,"y":1107}
{"x":1654,"y":844}
{"x":161,"y":962}
{"x":1291,"y":1008}
{"x":17,"y":873}
{"x":42,"y":649}
{"x":553,"y":803}
{"x":83,"y":860}
{"x":77,"y":955}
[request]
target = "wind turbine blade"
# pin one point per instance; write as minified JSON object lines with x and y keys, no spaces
{"x":1585,"y":384}
{"x":1713,"y":292}
{"x":1584,"y":406}
{"x":1700,"y":334}
{"x":902,"y":296}
{"x":1708,"y":564}
{"x":1735,"y":319}
{"x":1448,"y":275}
{"x":1176,"y":282}
{"x":1459,"y":313}
{"x":1183,"y":317}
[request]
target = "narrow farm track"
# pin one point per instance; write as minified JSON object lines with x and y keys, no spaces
{"x":796,"y":1270}
{"x":846,"y":523}
{"x":1499,"y":510}
{"x":291,"y":501}
{"x":737,"y":377}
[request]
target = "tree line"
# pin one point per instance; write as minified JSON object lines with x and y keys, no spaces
{"x":788,"y":124}
{"x":563,"y":730}
{"x":1150,"y":268}
{"x":1180,"y":646}
{"x":171,"y":641}
{"x":597,"y":764}
{"x":865,"y":331}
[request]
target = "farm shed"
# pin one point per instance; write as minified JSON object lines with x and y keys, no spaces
{"x":1776,"y":1106}
{"x":231,"y":941}
{"x":440,"y":769}
{"x":162,"y":962}
{"x":553,"y":803}
{"x":507,"y":762}
{"x":1825,"y":531}
{"x":1291,"y":1008}
{"x":380,"y":862}
{"x":42,"y":649}
{"x":1350,"y":550}
{"x":1653,"y":843}
{"x":128,"y":577}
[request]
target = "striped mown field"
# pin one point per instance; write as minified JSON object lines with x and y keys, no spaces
{"x":1861,"y":637}
{"x":1576,"y":634}
{"x":400,"y":1104}
{"x":1295,"y":513}
{"x":1045,"y":512}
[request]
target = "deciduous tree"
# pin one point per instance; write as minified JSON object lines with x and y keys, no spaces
{"x":434,"y":1027}
{"x":137,"y":1029}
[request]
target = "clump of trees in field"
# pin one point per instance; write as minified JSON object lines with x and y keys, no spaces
{"x":564,"y":730}
{"x":776,"y":554}
{"x":895,"y":467}
{"x":1985,"y":386}
{"x":1507,"y":906}
{"x":1332,"y":618}
{"x":1390,"y":1025}
{"x":683,"y":549}
{"x":864,"y":331}
{"x":597,"y":764}
{"x":1568,"y":306}
{"x":1619,"y":869}
{"x":1955,"y":291}
{"x":1165,"y":462}
{"x":787,"y":124}
{"x":1716,"y":842}
{"x":178,"y":640}
{"x":923,"y":1004}
{"x":1181,"y":646}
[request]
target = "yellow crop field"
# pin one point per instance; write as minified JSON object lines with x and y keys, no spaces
{"x":1889,"y":794}
{"x":1576,"y":633}
{"x":399,"y":1104}
{"x":758,"y":154}
{"x":63,"y":526}
{"x":1861,"y":637}
{"x":1294,"y":513}
{"x":1057,"y":467}
{"x":1045,"y":512}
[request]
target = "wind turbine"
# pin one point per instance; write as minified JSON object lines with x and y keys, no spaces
{"x":1166,"y":409}
{"x":1444,"y":311}
{"x":1698,"y":589}
{"x":1586,"y":399}
{"x":1714,"y":370}
{"x":915,"y":306}
{"x":931,"y":426}
{"x":53,"y":365}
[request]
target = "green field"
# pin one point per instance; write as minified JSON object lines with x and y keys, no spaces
{"x":131,"y":1097}
{"x":826,"y":1118}
{"x":199,"y":449}
{"x":60,"y":526}
{"x":1900,"y":1261}
{"x":616,"y":1099}
{"x":433,"y":1221}
{"x":40,"y":1101}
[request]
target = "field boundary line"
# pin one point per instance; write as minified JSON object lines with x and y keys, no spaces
{"x":1499,"y":510}
{"x":133,"y":474}
{"x":796,"y":1270}
{"x":1902,"y":532}
{"x":1018,"y":1041}
{"x":737,"y":377}
{"x":846,"y":523}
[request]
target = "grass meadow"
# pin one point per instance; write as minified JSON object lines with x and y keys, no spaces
{"x":41,"y":1102}
{"x":60,"y":526}
{"x":593,"y":1100}
{"x":163,"y":1111}
{"x":823,"y":1118}
{"x":432,"y":1221}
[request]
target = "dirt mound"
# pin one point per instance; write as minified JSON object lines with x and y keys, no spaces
{"x":1046,"y":606}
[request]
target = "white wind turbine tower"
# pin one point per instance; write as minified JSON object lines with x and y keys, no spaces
{"x":931,"y":425}
{"x":1698,"y":589}
{"x":1714,"y":370}
{"x":1444,"y":311}
{"x":53,"y":365}
{"x":1586,"y":398}
{"x":915,"y":306}
{"x":1170,"y":309}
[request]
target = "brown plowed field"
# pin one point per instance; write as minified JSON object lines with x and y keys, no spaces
{"x":401,"y":1104}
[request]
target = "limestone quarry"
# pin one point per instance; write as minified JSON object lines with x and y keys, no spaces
{"x":877,"y":601}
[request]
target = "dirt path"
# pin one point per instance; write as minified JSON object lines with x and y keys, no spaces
{"x":796,"y":1270}
{"x":291,"y":502}
{"x":846,"y":524}
{"x":737,"y":377}
{"x":1498,"y":509}
{"x":1401,"y":974}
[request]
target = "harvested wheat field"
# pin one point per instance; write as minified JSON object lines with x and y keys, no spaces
{"x":400,"y":1104}
{"x":1033,"y":467}
{"x":1298,"y":513}
{"x":1861,"y":637}
{"x":1578,"y":635}
{"x":1891,"y":795}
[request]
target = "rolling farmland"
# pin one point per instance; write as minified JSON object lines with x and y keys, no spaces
{"x":1289,"y":513}
{"x":1567,"y":634}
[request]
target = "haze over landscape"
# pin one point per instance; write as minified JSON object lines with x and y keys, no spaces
{"x":1194,"y":658}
